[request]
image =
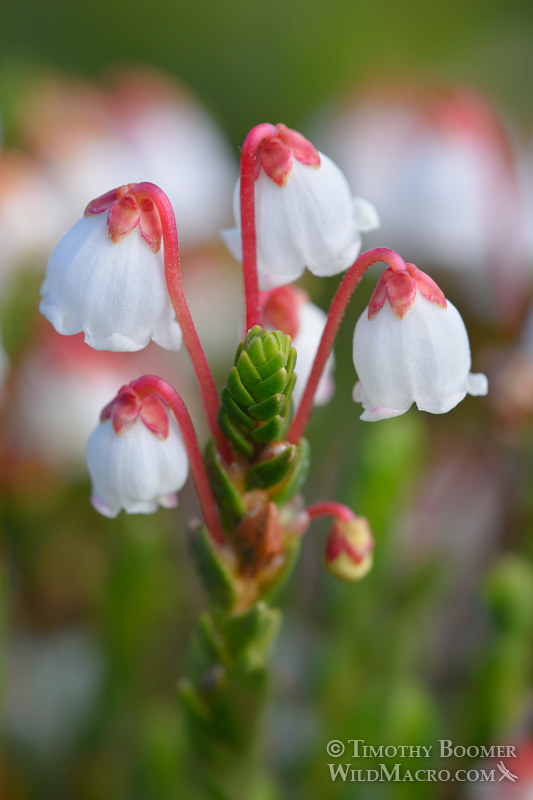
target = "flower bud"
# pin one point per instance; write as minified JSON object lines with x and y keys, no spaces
{"x":411,"y":346}
{"x":106,"y":277}
{"x":349,"y":549}
{"x":255,"y":403}
{"x":136,"y":457}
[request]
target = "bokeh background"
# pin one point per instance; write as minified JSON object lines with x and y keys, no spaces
{"x":428,"y":107}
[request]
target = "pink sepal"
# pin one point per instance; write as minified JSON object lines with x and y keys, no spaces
{"x":300,"y":147}
{"x":125,"y":410}
{"x":276,"y":160}
{"x":379,"y":294}
{"x":102,"y":203}
{"x":123,"y":216}
{"x":401,"y":293}
{"x":275,"y":154}
{"x":280,"y":308}
{"x":129,"y":405}
{"x":154,"y":415}
{"x":338,"y":543}
{"x":150,"y":224}
{"x":427,"y":286}
{"x":399,"y":287}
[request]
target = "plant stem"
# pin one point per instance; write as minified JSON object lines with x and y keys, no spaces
{"x":248,"y":233}
{"x":330,"y":508}
{"x":335,"y":315}
{"x":153,"y":383}
{"x":183,"y":314}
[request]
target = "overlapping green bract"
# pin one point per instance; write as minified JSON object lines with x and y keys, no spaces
{"x":255,"y":403}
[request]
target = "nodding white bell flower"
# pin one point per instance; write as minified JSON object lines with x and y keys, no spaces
{"x":411,"y":346}
{"x":305,"y":214}
{"x":136,"y":456}
{"x":289,"y":309}
{"x":106,"y":277}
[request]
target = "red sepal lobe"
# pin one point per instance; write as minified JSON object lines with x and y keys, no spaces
{"x":123,"y":216}
{"x":280,"y":308}
{"x":125,"y":211}
{"x":275,"y":154}
{"x":126,"y":408}
{"x":399,"y":287}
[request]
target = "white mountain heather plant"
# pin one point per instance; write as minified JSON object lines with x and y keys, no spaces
{"x":249,"y":479}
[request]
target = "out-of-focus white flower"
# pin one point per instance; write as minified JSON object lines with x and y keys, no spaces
{"x":106,"y":278}
{"x":180,"y":148}
{"x":59,"y":389}
{"x":305,"y":214}
{"x":136,"y":457}
{"x":312,"y":324}
{"x":31,"y":217}
{"x":289,"y":309}
{"x":440,"y":164}
{"x":137,"y":125}
{"x":51,"y":684}
{"x":411,"y":346}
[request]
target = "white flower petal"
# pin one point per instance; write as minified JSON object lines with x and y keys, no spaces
{"x":233,"y":241}
{"x":310,"y":222}
{"x":312,"y":321}
{"x":135,"y":470}
{"x":366,"y":216}
{"x":478,"y":384}
{"x":381,"y":412}
{"x":115,"y":293}
{"x":423,"y":358}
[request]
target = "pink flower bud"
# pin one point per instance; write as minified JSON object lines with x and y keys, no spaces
{"x":349,"y":549}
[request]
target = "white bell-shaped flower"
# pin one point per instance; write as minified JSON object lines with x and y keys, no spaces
{"x":289,"y":309}
{"x":411,"y":346}
{"x":136,"y":456}
{"x":106,"y":278}
{"x":312,"y":321}
{"x":305,"y":214}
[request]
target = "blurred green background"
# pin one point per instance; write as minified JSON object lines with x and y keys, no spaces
{"x":437,"y":642}
{"x":255,"y":62}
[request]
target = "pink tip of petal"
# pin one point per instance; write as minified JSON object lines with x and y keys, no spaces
{"x":300,"y":147}
{"x":169,"y":500}
{"x":154,"y":416}
{"x":401,"y":293}
{"x":102,"y":203}
{"x":378,"y":413}
{"x":276,"y":160}
{"x":427,"y":286}
{"x":123,"y":216}
{"x":101,"y":507}
{"x":150,"y":224}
